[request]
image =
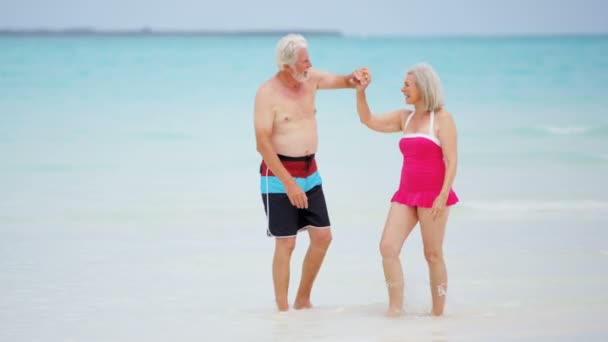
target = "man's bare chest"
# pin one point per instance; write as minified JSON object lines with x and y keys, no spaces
{"x":294,"y":111}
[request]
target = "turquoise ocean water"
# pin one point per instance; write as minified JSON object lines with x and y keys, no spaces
{"x":129,"y":188}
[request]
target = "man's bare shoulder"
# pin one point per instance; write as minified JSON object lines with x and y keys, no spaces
{"x":265,"y":94}
{"x":316,"y":75}
{"x":267,"y":87}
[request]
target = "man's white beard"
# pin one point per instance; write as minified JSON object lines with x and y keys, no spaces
{"x":301,"y":77}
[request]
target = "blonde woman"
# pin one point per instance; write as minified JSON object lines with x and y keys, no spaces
{"x":425,"y":191}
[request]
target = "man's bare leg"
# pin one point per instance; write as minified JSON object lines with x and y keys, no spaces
{"x":280,"y":270}
{"x":433,"y":232}
{"x":320,"y":238}
{"x":399,"y":224}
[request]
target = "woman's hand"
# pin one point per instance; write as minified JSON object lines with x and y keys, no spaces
{"x":361,"y":78}
{"x":439,"y":205}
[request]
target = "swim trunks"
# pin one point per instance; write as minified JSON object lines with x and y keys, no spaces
{"x":284,"y":219}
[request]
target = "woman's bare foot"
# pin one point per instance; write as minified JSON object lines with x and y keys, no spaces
{"x":393,"y":312}
{"x":436,"y":313}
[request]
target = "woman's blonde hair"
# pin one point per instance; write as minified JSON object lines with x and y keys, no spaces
{"x":429,"y":86}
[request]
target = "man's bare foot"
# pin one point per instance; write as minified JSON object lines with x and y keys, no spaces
{"x":302,"y":304}
{"x":282,"y":306}
{"x":393,"y":312}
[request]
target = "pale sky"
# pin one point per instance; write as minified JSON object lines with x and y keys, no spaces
{"x":355,"y":17}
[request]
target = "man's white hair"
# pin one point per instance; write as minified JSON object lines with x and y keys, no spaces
{"x":429,"y":86}
{"x":287,"y":49}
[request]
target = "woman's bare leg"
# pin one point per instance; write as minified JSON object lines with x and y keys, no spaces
{"x":433,"y":232}
{"x":399,"y":224}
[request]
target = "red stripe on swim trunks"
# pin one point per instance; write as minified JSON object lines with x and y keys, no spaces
{"x":298,"y":169}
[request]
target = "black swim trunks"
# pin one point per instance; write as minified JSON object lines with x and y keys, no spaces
{"x":284,"y":219}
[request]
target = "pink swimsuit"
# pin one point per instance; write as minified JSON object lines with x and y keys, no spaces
{"x":423,"y":169}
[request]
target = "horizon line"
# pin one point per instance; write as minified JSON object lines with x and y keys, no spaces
{"x":152,"y":31}
{"x":145,"y":31}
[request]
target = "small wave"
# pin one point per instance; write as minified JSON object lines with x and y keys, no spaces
{"x":567,"y":130}
{"x":600,"y":130}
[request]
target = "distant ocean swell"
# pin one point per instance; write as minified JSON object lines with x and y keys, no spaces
{"x":563,"y":130}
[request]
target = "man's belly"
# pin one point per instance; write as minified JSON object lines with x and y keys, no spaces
{"x":296,"y":145}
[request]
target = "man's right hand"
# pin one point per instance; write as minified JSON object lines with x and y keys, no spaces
{"x":360,"y":78}
{"x":296,"y":195}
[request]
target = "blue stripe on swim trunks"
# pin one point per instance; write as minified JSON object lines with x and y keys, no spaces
{"x":302,"y":169}
{"x":272,"y":184}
